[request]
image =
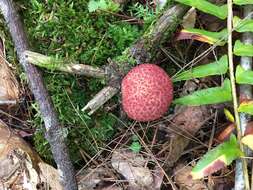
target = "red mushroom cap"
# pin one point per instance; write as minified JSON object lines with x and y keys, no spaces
{"x":147,"y":92}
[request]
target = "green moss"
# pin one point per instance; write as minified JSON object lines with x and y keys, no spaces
{"x":66,"y":29}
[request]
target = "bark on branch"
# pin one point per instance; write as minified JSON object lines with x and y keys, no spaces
{"x":53,"y":129}
{"x":63,"y":65}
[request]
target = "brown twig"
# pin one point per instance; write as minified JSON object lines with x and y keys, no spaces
{"x":54,"y":132}
{"x":63,"y":65}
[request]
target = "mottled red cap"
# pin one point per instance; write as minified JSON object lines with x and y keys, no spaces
{"x":147,"y":92}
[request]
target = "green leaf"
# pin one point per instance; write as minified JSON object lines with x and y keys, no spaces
{"x":243,"y":76}
{"x":243,"y":25}
{"x":241,"y":49}
{"x":107,"y":5}
{"x":229,"y":115}
{"x":135,"y":138}
{"x":207,"y":7}
{"x":207,"y":96}
{"x":246,"y":107}
{"x":217,"y":158}
{"x":135,"y":147}
{"x":243,"y":2}
{"x":103,"y":5}
{"x":217,"y":38}
{"x":216,"y":68}
{"x":93,"y":6}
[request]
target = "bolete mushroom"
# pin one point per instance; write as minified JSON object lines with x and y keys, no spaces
{"x":147,"y":92}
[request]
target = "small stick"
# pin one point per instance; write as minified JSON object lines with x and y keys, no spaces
{"x":63,"y":65}
{"x":101,"y":97}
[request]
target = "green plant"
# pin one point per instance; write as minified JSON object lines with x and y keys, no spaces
{"x":135,"y":146}
{"x":143,"y":12}
{"x":225,"y":153}
{"x":106,"y":5}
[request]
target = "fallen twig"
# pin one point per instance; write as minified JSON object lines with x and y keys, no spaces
{"x":101,"y":97}
{"x":54,"y":132}
{"x":63,"y":65}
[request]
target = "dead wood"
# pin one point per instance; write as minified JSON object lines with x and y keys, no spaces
{"x":64,"y":65}
{"x":146,"y":48}
{"x":54,"y":132}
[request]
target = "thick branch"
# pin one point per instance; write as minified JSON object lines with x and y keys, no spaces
{"x":145,"y":49}
{"x":53,"y":129}
{"x":245,"y":93}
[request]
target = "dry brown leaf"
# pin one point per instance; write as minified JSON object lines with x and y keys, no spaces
{"x":90,"y":179}
{"x":132,"y":166}
{"x":112,"y":187}
{"x":21,"y":167}
{"x":184,"y":180}
{"x":9,"y":89}
{"x":189,"y":19}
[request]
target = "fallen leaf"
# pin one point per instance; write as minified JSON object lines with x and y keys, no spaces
{"x":132,"y":166}
{"x":91,"y":178}
{"x":189,"y":19}
{"x":9,"y":88}
{"x":226,"y":133}
{"x":247,"y":139}
{"x":21,"y":167}
{"x":184,"y":181}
